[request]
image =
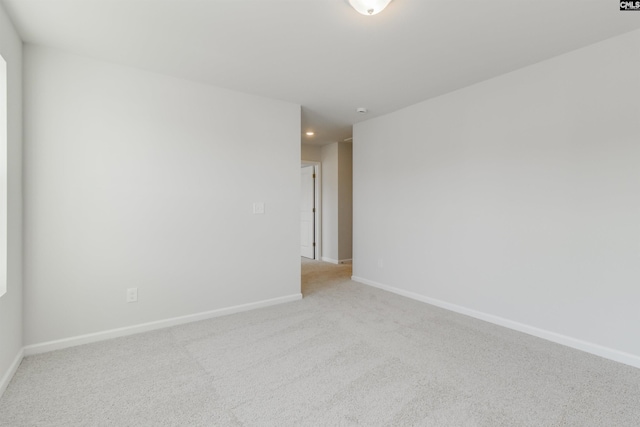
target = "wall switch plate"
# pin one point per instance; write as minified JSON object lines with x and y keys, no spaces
{"x":132,"y":295}
{"x":258,"y":208}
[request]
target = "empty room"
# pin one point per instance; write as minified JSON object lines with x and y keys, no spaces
{"x":320,"y":213}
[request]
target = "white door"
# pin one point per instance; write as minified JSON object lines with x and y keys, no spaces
{"x":307,"y":202}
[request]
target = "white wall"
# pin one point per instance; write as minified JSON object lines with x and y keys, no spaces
{"x":345,"y":200}
{"x":518,"y":198}
{"x":330,"y":230}
{"x":134,"y":179}
{"x":311,"y":153}
{"x":11,"y":302}
{"x":337,"y":194}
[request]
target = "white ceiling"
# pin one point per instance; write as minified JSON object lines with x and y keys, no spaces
{"x":321,"y":54}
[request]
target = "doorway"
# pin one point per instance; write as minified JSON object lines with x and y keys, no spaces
{"x":310,"y":200}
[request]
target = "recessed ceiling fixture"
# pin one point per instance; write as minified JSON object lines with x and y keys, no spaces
{"x":361,"y":110}
{"x":369,"y":7}
{"x":310,"y":133}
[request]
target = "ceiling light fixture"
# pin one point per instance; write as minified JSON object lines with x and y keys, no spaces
{"x":369,"y":7}
{"x":310,"y":133}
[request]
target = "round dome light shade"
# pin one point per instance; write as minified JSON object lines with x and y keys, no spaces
{"x":369,"y":7}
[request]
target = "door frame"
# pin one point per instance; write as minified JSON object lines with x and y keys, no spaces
{"x":317,"y":217}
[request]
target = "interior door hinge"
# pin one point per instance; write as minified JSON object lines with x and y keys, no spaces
{"x":314,"y":176}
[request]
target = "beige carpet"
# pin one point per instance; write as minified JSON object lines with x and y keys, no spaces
{"x":346,"y":354}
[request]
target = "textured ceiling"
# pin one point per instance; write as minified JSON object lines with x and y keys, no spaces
{"x":322,"y":54}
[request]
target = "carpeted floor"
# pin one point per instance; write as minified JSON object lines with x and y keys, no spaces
{"x":347,"y":354}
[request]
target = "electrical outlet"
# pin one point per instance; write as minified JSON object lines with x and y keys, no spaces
{"x":132,"y":295}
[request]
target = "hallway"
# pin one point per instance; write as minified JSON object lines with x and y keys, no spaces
{"x":319,"y":275}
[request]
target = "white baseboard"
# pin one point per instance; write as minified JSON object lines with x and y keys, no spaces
{"x":598,"y":350}
{"x":336,"y":261}
{"x":150,"y":326}
{"x":6,"y":379}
